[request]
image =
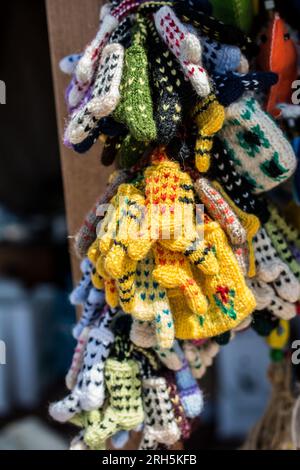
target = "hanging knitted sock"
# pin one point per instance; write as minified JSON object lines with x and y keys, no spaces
{"x":236,"y":186}
{"x":185,"y":46}
{"x":77,"y":359}
{"x":209,"y":116}
{"x":142,"y":333}
{"x":89,"y":390}
{"x":135,"y":109}
{"x":230,"y":87}
{"x":220,"y":210}
{"x":160,"y":425}
{"x":104,"y":95}
{"x":169,"y":357}
{"x":190,"y":394}
{"x":262,"y":291}
{"x":268,"y":264}
{"x":151,"y":303}
{"x":257,"y":146}
{"x":124,"y":410}
{"x":181,"y":420}
{"x":280,"y":244}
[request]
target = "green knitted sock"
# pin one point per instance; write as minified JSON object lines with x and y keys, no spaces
{"x":125,"y":409}
{"x":135,"y":108}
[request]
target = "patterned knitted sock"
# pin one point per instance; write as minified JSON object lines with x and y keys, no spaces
{"x":280,"y":244}
{"x":257,"y":146}
{"x":87,"y":65}
{"x":262,"y":291}
{"x":169,"y":357}
{"x":238,"y":188}
{"x":142,"y":334}
{"x":151,"y":303}
{"x":230,"y":87}
{"x":215,"y":29}
{"x":251,"y":224}
{"x":160,"y":424}
{"x":104,"y":95}
{"x":268,"y":264}
{"x":182,"y":421}
{"x":189,"y":392}
{"x":209,"y":116}
{"x":124,"y":410}
{"x":200,"y":358}
{"x":221,"y":211}
{"x":220,"y":58}
{"x":135,"y":109}
{"x":88,"y":392}
{"x":185,"y":46}
{"x":77,"y":359}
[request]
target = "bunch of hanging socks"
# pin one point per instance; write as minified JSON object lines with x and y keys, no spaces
{"x":167,"y":90}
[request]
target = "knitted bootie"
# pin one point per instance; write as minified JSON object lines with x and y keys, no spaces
{"x":268,"y":264}
{"x":169,"y":357}
{"x":77,"y":359}
{"x":185,"y":46}
{"x":124,"y":410}
{"x":151,"y":302}
{"x":189,"y":392}
{"x":142,"y":333}
{"x":221,"y":211}
{"x":89,"y":391}
{"x":104,"y":95}
{"x":182,"y":421}
{"x":160,"y":424}
{"x":220,"y":58}
{"x":87,"y":65}
{"x":230,"y":87}
{"x":257,"y":146}
{"x":209,"y":116}
{"x":238,"y":188}
{"x":135,"y":109}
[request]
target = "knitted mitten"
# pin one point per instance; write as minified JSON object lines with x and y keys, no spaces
{"x":221,"y":211}
{"x":185,"y":46}
{"x":182,"y":422}
{"x":104,"y":95}
{"x":238,"y":188}
{"x":87,"y":65}
{"x":257,"y":146}
{"x":200,"y":358}
{"x":151,"y":302}
{"x":135,"y":109}
{"x":160,"y":425}
{"x":169,"y":357}
{"x":88,"y":392}
{"x":124,"y":410}
{"x":209,"y":116}
{"x":189,"y":392}
{"x":77,"y":359}
{"x":142,"y":333}
{"x":230,"y":87}
{"x":220,"y":58}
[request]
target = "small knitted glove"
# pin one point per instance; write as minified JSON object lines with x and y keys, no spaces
{"x":87,"y":65}
{"x":160,"y":425}
{"x":104,"y":95}
{"x":257,"y":146}
{"x":219,"y":209}
{"x":135,"y":109}
{"x":185,"y":46}
{"x":151,"y":302}
{"x":88,"y":392}
{"x":220,"y":58}
{"x":189,"y":392}
{"x":230,"y":86}
{"x":125,"y":409}
{"x":209,"y":116}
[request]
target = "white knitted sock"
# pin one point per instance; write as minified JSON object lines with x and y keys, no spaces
{"x":185,"y":46}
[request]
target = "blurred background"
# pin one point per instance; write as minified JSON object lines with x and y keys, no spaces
{"x":35,"y":276}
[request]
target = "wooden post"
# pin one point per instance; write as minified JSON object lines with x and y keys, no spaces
{"x":71,"y":25}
